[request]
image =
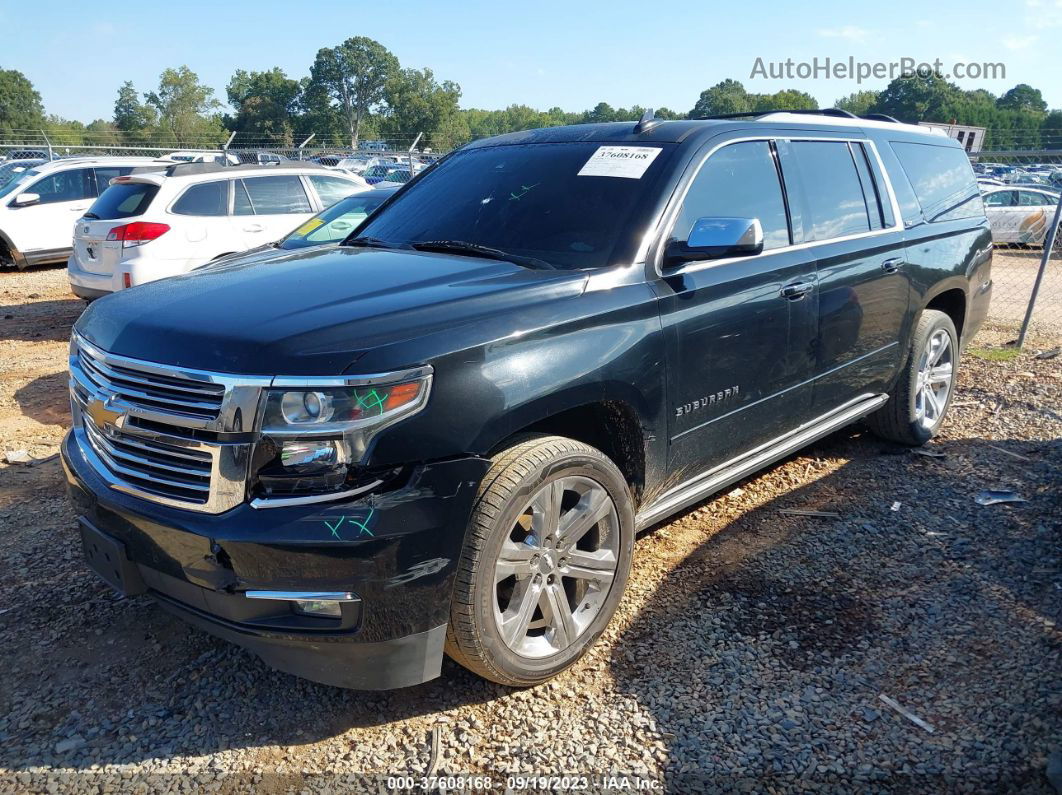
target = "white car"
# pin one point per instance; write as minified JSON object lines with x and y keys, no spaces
{"x":147,"y":226}
{"x":1019,"y":215}
{"x":39,"y":206}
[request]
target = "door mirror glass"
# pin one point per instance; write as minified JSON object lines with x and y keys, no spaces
{"x":26,"y":199}
{"x":714,"y":238}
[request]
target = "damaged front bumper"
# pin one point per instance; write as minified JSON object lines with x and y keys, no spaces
{"x":394,"y":554}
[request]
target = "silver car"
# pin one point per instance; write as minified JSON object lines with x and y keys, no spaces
{"x":1020,"y":215}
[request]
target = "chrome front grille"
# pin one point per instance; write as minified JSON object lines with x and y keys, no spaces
{"x":153,"y":467}
{"x":152,"y":390}
{"x":174,"y":436}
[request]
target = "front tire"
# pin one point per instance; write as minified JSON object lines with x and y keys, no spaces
{"x":545,"y":563}
{"x":920,"y":398}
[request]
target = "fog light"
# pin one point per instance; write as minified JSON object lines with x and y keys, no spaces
{"x":323,"y":454}
{"x":317,"y":607}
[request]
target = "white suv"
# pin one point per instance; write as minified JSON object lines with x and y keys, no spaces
{"x":154,"y":224}
{"x":38,"y":207}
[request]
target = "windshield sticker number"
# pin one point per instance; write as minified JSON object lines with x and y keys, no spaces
{"x":630,"y":162}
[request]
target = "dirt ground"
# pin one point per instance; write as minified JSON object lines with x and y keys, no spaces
{"x":753,"y":645}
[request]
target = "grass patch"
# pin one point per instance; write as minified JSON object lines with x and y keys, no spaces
{"x":995,"y":354}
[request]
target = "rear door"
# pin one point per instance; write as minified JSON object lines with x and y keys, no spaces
{"x":267,"y":208}
{"x":203,"y":220}
{"x":858,"y":244}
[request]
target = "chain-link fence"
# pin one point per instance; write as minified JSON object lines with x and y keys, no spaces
{"x":1022,"y":198}
{"x":1021,"y":191}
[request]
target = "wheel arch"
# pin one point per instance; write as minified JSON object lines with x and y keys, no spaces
{"x":612,"y":425}
{"x":952,"y":300}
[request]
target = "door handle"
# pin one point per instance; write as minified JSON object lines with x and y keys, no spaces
{"x":253,"y":228}
{"x":892,"y":265}
{"x":797,"y":290}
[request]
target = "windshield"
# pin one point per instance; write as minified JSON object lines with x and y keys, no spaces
{"x":18,"y":180}
{"x":337,"y":221}
{"x":569,"y":204}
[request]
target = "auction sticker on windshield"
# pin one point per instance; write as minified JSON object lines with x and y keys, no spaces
{"x":619,"y":161}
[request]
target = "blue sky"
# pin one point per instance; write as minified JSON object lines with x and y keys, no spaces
{"x":572,"y":54}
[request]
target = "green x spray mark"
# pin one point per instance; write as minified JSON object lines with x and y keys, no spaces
{"x":361,"y":524}
{"x":370,"y":400}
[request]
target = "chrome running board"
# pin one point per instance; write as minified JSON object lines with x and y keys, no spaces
{"x":697,"y":488}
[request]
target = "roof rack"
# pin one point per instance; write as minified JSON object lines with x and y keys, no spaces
{"x":755,"y":114}
{"x":881,"y":117}
{"x":184,"y":169}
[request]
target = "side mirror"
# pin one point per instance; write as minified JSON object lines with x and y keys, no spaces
{"x":26,"y":199}
{"x":714,"y":238}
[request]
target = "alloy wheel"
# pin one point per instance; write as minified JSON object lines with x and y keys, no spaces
{"x":556,"y":566}
{"x":936,"y":372}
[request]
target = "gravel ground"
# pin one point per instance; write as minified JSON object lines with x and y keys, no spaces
{"x":752,"y":644}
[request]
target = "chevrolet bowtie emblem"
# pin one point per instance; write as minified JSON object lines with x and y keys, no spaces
{"x":102,"y":414}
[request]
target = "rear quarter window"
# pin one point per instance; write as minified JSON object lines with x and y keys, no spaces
{"x":942,"y":179}
{"x":124,"y":200}
{"x":207,"y":198}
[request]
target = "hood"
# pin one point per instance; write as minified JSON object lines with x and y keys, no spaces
{"x":311,"y":312}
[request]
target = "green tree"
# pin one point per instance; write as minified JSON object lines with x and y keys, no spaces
{"x":20,"y":104}
{"x":728,"y":96}
{"x":265,"y":104}
{"x":787,"y":99}
{"x":667,"y":114}
{"x":136,"y":121}
{"x":602,"y":111}
{"x":1022,"y":97}
{"x":417,"y":103}
{"x":1051,"y":132}
{"x":184,"y":107}
{"x":858,"y":102}
{"x":918,"y":98}
{"x":355,"y":74}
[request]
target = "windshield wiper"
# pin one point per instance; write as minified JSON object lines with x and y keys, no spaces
{"x":476,"y":250}
{"x":368,"y":242}
{"x":91,"y":215}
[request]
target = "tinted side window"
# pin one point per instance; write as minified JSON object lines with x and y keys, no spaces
{"x":207,"y":198}
{"x":277,"y":195}
{"x":871,"y":193}
{"x":331,"y":189}
{"x":833,"y":194}
{"x":738,"y":181}
{"x":943,"y":180}
{"x":64,"y":186}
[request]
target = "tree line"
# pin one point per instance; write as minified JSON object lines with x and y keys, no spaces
{"x":359,"y":91}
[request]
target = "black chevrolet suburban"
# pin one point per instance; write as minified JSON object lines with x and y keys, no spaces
{"x":442,"y":435}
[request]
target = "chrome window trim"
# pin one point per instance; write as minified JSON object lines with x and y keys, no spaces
{"x":669,"y":217}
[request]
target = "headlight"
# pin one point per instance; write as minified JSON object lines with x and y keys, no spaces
{"x":313,"y":437}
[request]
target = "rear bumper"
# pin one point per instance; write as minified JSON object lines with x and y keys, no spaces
{"x":141,"y":270}
{"x":401,"y":568}
{"x":85,"y":284}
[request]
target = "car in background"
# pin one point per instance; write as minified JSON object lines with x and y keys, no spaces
{"x":1020,"y":215}
{"x":13,"y":169}
{"x":328,"y":227}
{"x":29,"y":154}
{"x":147,"y":226}
{"x":39,"y":205}
{"x":261,"y":158}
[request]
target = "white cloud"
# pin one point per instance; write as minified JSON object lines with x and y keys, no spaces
{"x":1013,"y":42}
{"x":847,"y":32}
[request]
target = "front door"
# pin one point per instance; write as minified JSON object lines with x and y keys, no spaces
{"x":45,"y":228}
{"x":739,"y":331}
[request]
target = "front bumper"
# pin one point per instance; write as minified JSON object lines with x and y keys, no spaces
{"x":397,"y":551}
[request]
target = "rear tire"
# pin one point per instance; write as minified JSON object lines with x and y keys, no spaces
{"x":920,"y":398}
{"x":545,"y":563}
